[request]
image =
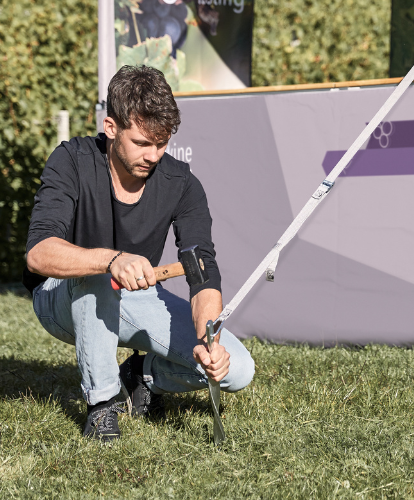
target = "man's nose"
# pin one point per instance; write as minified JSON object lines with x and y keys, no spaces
{"x":151,"y":154}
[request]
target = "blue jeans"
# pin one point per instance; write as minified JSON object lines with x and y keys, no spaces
{"x":88,"y":313}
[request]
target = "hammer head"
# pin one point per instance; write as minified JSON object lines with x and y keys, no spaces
{"x":193,"y":265}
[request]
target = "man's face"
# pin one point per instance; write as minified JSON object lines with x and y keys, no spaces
{"x":137,"y":152}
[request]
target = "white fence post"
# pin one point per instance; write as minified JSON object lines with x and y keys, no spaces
{"x":63,"y":126}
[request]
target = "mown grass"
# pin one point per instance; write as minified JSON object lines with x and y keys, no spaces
{"x":314,"y":423}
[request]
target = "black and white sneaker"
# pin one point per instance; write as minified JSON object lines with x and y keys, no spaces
{"x":102,"y":422}
{"x":141,"y":400}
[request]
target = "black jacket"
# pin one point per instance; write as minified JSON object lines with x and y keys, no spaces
{"x":76,"y":202}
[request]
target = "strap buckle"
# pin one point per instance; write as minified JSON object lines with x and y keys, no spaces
{"x":323,"y":189}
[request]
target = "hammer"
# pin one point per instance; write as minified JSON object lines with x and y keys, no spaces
{"x":191,"y":265}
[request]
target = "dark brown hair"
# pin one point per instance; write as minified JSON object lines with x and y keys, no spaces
{"x":141,"y":94}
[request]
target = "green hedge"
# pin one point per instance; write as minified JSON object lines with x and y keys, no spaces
{"x":48,"y":61}
{"x":312,"y":41}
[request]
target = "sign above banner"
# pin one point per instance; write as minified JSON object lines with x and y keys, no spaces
{"x":197,"y":44}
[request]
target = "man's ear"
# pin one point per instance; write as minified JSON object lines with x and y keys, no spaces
{"x":110,"y":127}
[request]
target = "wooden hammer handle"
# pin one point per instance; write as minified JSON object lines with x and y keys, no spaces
{"x":162,"y":273}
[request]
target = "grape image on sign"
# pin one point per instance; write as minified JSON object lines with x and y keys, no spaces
{"x":141,"y":19}
{"x":159,"y":19}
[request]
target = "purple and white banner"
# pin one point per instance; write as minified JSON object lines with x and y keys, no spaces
{"x":348,"y":276}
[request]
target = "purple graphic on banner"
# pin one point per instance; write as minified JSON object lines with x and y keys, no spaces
{"x":390,"y":151}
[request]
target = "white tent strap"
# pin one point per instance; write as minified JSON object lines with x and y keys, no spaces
{"x":297,"y":223}
{"x":271,"y":258}
{"x":340,"y":166}
{"x":269,"y":263}
{"x":273,"y":255}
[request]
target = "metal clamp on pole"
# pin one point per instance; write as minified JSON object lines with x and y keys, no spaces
{"x":271,"y":268}
{"x":323,"y":189}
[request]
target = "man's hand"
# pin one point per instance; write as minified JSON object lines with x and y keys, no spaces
{"x":216,"y":364}
{"x":207,"y":305}
{"x":58,"y":258}
{"x":127,"y":268}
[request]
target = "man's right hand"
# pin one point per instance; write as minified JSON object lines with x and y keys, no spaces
{"x":57,"y":258}
{"x":133,"y":272}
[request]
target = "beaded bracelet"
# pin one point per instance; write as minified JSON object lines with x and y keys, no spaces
{"x":109,"y":265}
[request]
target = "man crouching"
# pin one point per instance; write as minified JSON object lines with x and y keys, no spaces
{"x":104,"y":209}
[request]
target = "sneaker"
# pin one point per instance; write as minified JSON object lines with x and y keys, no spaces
{"x":102,"y":422}
{"x":140,"y":399}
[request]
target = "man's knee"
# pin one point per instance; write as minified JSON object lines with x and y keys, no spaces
{"x":241,"y":372}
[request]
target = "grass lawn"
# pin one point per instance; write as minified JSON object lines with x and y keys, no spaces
{"x":314,"y":423}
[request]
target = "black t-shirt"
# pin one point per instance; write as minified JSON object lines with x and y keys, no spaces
{"x":76,"y":202}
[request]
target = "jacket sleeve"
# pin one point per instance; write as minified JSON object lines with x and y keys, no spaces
{"x":192,"y":226}
{"x":56,"y":200}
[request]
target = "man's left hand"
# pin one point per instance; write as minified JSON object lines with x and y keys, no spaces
{"x":215,"y":363}
{"x":207,"y":305}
